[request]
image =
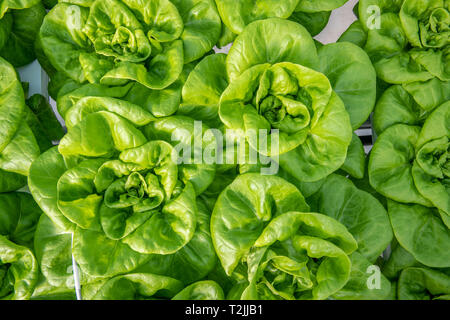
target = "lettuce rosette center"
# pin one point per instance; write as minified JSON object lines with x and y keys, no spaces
{"x":18,"y":144}
{"x":434,"y":158}
{"x":411,"y":43}
{"x":141,"y":193}
{"x":285,"y":96}
{"x":285,"y":108}
{"x":426,"y":24}
{"x":125,"y":43}
{"x":134,"y":192}
{"x":285,"y":277}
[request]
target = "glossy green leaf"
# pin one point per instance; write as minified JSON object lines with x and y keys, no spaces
{"x":43,"y":122}
{"x":113,"y":42}
{"x":19,"y":215}
{"x":423,"y":284}
{"x":203,"y":88}
{"x":390,"y":164}
{"x":356,"y":158}
{"x":53,"y":249}
{"x":355,"y":34}
{"x":278,"y":41}
{"x":16,"y":4}
{"x":326,"y":145}
{"x":282,"y":254}
{"x":202,"y":27}
{"x":397,"y":106}
{"x":45,"y":291}
{"x":236,"y":16}
{"x":426,"y":24}
{"x":352,"y":77}
{"x":359,"y":286}
{"x":298,"y":102}
{"x":320,"y":5}
{"x":13,"y":103}
{"x":19,"y":48}
{"x":421,"y":232}
{"x":399,"y":259}
{"x":202,"y":290}
{"x":314,"y":22}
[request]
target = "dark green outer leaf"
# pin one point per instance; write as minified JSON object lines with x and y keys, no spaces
{"x":99,"y":256}
{"x":16,"y":4}
{"x":396,"y":106}
{"x":19,"y":215}
{"x":41,"y":108}
{"x":314,"y":22}
{"x":399,"y":259}
{"x":356,"y":158}
{"x":355,"y":34}
{"x":364,"y":217}
{"x":19,"y":49}
{"x":364,"y":184}
{"x":357,"y":287}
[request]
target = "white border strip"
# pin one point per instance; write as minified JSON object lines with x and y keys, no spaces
{"x":76,"y":276}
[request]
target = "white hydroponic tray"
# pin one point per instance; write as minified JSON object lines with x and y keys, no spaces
{"x":339,"y":21}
